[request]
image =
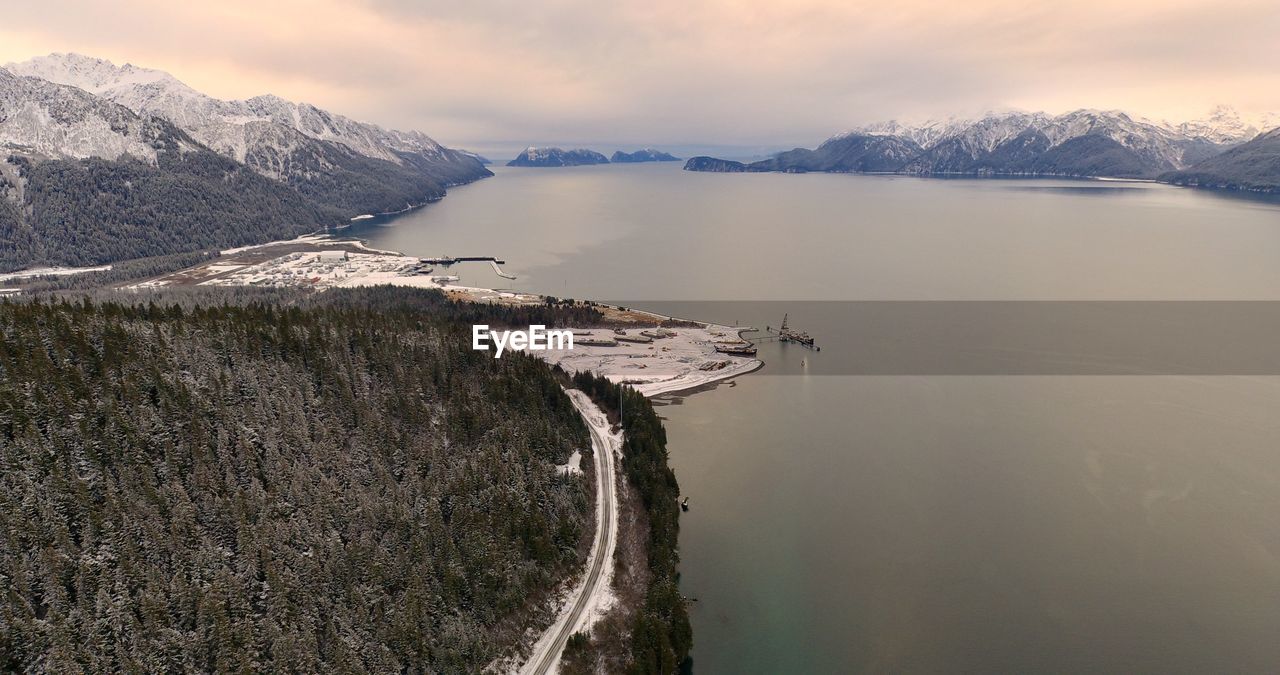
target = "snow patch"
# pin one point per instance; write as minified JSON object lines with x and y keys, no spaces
{"x":51,"y":272}
{"x":573,"y":467}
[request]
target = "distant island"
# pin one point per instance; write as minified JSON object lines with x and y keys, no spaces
{"x":1221,"y":152}
{"x":704,"y":163}
{"x":532,"y":156}
{"x":645,"y":155}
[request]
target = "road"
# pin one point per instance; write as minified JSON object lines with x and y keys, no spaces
{"x":547,"y":651}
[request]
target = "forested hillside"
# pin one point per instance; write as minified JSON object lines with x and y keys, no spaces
{"x":1254,"y":166}
{"x":93,"y":211}
{"x":319,"y":488}
{"x":15,"y":240}
{"x":333,"y":176}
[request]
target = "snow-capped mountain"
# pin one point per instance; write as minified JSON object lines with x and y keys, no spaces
{"x":211,"y":174}
{"x":85,"y":181}
{"x":42,"y":119}
{"x":982,"y":133}
{"x":1082,"y":142}
{"x":272,"y":135}
{"x":1225,"y":124}
{"x":215,"y":123}
{"x":1163,"y":146}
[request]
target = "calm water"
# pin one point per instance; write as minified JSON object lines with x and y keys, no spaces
{"x":927,"y":522}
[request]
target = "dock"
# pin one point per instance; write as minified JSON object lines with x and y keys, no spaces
{"x":498,"y":271}
{"x":736,"y":348}
{"x":786,"y":333}
{"x":446,"y":261}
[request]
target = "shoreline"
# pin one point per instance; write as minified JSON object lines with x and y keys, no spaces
{"x":684,"y":360}
{"x":703,"y":386}
{"x":681,"y":363}
{"x":746,"y":368}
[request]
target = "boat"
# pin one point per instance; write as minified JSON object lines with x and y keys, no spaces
{"x":737,"y":349}
{"x":642,"y":339}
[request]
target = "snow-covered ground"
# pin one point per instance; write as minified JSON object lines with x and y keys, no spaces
{"x":50,"y":271}
{"x":569,"y":468}
{"x":313,"y":240}
{"x":686,"y":360}
{"x":321,"y":269}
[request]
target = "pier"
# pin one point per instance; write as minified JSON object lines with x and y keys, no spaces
{"x":446,"y":261}
{"x":785,"y":333}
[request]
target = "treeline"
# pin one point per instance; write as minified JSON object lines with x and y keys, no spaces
{"x":661,"y":636}
{"x":434,"y":302}
{"x":18,"y":246}
{"x":330,"y":174}
{"x":236,"y":485}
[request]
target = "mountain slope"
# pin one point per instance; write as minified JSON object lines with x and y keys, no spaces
{"x":1254,"y":166}
{"x":41,"y":119}
{"x":87,"y":181}
{"x":350,"y":165}
{"x":100,"y":163}
{"x":95,"y":211}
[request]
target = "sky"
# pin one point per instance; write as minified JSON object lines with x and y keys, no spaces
{"x":502,"y":74}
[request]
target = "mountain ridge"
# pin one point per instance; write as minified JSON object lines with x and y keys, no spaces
{"x":87,"y":179}
{"x":1083,"y":142}
{"x":354,"y":166}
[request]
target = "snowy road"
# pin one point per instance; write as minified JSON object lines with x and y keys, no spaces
{"x":591,"y":596}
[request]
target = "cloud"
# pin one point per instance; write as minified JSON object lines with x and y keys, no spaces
{"x":674,"y":71}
